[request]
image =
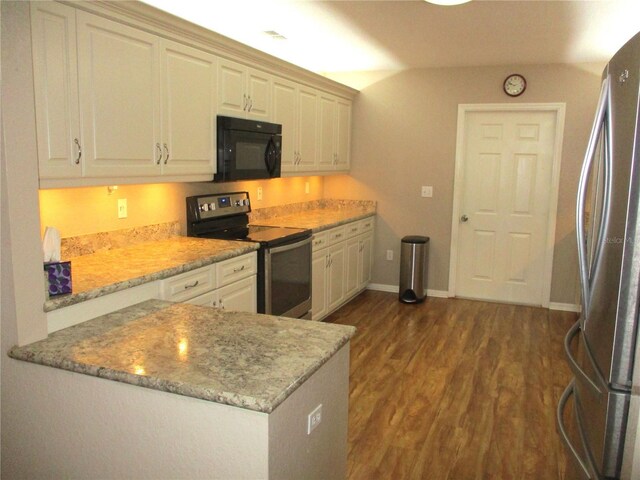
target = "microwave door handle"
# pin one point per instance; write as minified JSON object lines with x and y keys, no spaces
{"x":269,"y":156}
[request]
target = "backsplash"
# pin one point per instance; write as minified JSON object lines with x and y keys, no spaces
{"x":260,"y":214}
{"x":95,"y":242}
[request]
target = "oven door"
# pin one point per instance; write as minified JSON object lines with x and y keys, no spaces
{"x":287,"y":279}
{"x":248,"y":155}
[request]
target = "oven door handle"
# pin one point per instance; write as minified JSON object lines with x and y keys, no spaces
{"x":292,"y":246}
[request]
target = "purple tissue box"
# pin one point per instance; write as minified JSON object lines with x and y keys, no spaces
{"x":57,"y":278}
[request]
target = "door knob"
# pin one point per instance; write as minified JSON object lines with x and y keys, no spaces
{"x":464,"y":218}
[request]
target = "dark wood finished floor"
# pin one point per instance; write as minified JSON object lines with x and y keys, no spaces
{"x":454,"y":389}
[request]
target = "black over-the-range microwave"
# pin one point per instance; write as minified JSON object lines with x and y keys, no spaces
{"x":247,"y":149}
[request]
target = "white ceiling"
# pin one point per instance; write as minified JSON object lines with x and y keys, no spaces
{"x":374,"y":35}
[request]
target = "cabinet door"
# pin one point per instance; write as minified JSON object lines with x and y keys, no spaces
{"x":343,"y":134}
{"x":259,"y":93}
{"x":326,"y":136}
{"x":188,"y":110}
{"x":208,"y":299}
{"x":337,"y":264}
{"x":241,"y":296}
{"x":319,"y":268}
{"x":366,"y":259}
{"x":119,"y":98}
{"x":55,"y":70}
{"x":284,"y":112}
{"x":352,"y":270}
{"x":307,"y":128}
{"x":232,"y":97}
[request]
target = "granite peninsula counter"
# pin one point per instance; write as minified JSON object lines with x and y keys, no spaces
{"x":228,"y":395}
{"x":241,"y":359}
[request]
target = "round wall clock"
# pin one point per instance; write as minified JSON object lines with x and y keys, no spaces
{"x":514,"y":85}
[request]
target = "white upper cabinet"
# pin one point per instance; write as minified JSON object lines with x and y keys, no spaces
{"x":53,"y":29}
{"x":188,"y":110}
{"x":295,"y":107}
{"x":243,"y":92}
{"x":327,"y":125}
{"x":343,"y":134}
{"x":307,"y":129}
{"x":285,"y":113}
{"x":335,"y":133}
{"x":119,"y":76}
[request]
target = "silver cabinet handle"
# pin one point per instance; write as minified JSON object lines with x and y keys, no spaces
{"x":464,"y":218}
{"x":166,"y":151}
{"x":250,"y":104}
{"x":191,"y":285}
{"x":77,"y":142}
{"x":221,"y":305}
{"x":159,"y":154}
{"x":236,"y":270}
{"x":244,"y":102}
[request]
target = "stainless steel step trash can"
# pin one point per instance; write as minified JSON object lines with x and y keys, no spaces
{"x":414,"y":261}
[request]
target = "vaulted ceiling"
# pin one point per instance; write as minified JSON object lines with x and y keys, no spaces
{"x":344,"y":35}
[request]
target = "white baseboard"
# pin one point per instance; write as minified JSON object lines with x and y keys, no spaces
{"x":380,"y":287}
{"x":565,"y":307}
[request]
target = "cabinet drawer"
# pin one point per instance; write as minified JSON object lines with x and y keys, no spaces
{"x":319,"y":241}
{"x":335,"y":235}
{"x":188,"y":285}
{"x":236,"y":268}
{"x":366,"y":225}
{"x":352,"y":229}
{"x":205,"y":300}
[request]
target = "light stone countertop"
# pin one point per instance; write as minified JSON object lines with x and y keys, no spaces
{"x":113,"y":270}
{"x":247,"y":360}
{"x":319,"y":219}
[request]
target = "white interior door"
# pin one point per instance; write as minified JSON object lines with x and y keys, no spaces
{"x":505,"y":194}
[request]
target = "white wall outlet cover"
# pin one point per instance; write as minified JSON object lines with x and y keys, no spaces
{"x":259,"y":193}
{"x":314,"y":419}
{"x":389,"y":254}
{"x":122,"y":208}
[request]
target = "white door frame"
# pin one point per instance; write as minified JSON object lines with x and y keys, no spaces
{"x":463,"y":109}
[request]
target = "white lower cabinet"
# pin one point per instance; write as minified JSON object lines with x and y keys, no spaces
{"x":341,"y":265}
{"x":230,"y":284}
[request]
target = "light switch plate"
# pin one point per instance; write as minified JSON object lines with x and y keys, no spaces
{"x":314,"y":419}
{"x":427,"y":191}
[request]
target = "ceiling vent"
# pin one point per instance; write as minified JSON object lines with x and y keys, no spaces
{"x":275,"y":35}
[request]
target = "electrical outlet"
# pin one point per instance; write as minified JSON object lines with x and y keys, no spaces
{"x":314,"y":419}
{"x":389,"y":254}
{"x":306,"y":187}
{"x":259,"y":193}
{"x":122,"y":208}
{"x":427,"y":191}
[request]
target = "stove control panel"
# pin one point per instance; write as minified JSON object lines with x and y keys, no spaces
{"x":204,"y":207}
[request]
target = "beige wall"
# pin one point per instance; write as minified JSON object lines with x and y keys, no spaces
{"x":405,"y":137}
{"x":78,"y":211}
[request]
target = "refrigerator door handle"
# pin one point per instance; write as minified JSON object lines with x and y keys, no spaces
{"x":575,"y":368}
{"x":583,"y":264}
{"x":570,"y":390}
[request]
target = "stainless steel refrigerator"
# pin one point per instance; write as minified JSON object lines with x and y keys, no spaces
{"x":601,"y":346}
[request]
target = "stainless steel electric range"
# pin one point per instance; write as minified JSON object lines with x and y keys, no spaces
{"x":284,"y":257}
